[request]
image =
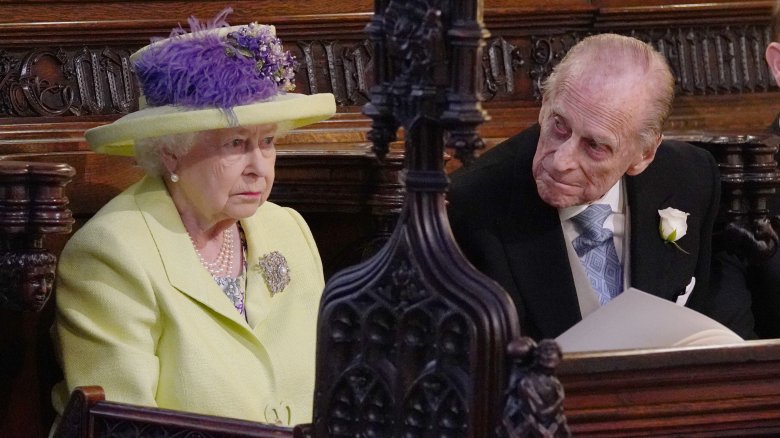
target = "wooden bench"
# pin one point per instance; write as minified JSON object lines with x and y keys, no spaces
{"x":88,"y":414}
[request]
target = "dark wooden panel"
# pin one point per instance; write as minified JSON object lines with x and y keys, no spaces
{"x":707,"y":391}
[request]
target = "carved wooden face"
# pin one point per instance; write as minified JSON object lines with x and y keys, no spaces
{"x":36,"y":285}
{"x":26,"y":282}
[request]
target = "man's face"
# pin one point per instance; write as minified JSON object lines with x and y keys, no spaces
{"x":589,"y":140}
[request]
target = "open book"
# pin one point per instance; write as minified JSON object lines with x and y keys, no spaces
{"x":636,"y":319}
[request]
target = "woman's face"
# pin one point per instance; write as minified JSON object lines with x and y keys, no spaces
{"x":226,"y":175}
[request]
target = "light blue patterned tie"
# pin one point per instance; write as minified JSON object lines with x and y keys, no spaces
{"x":596,"y":249}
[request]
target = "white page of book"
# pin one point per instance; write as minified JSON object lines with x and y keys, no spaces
{"x":636,"y":319}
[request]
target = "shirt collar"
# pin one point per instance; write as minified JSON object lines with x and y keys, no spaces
{"x":612,"y":198}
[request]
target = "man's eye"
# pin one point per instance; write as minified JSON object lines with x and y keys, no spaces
{"x":559,"y":125}
{"x":237,"y":142}
{"x":597,"y":147}
{"x":268,"y":140}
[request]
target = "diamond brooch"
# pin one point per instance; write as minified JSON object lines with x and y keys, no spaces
{"x":275,"y":270}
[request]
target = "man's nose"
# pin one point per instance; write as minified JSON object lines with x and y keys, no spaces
{"x":565,"y":156}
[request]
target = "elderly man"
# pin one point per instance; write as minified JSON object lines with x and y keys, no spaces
{"x":566,"y":214}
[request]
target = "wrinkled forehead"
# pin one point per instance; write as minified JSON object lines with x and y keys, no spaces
{"x":611,"y":80}
{"x":606,"y":114}
{"x":262,"y":130}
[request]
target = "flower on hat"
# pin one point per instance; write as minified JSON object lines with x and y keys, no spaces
{"x":209,"y":68}
{"x":673,"y":225}
{"x":258,"y":43}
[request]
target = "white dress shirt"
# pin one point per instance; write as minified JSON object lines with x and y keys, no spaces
{"x":616,"y":222}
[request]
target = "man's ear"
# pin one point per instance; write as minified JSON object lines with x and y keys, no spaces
{"x":772,"y":56}
{"x":647,"y":157}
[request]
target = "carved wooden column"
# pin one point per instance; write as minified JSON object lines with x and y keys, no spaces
{"x":749,"y":177}
{"x":32,"y":205}
{"x":413,"y":341}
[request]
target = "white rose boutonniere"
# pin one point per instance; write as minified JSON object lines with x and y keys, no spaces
{"x":673,"y":226}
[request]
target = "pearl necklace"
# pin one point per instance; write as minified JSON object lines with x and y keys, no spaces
{"x":222,"y":266}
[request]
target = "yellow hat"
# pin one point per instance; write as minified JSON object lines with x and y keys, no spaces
{"x":212,"y":78}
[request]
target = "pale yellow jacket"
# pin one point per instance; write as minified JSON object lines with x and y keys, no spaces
{"x":138,"y":315}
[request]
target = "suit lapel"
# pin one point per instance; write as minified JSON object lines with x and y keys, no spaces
{"x":533,"y":240}
{"x":653,"y":262}
{"x":179,"y":259}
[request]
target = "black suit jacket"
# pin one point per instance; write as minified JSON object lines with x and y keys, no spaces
{"x":508,"y":232}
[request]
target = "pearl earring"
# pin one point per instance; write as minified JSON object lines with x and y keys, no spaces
{"x":174,"y":178}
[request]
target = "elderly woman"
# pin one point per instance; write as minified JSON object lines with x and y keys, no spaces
{"x":190,"y":290}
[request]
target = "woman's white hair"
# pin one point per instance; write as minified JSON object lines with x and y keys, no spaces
{"x":148,"y":151}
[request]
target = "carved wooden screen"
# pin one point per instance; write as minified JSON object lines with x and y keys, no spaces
{"x":413,"y":341}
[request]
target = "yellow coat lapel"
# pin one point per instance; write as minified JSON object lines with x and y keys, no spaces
{"x":179,"y":259}
{"x":258,"y":297}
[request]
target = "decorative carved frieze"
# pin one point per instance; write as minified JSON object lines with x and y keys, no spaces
{"x":714,"y":60}
{"x":45,"y":82}
{"x":707,"y":60}
{"x":343,"y":69}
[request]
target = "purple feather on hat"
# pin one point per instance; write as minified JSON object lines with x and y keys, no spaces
{"x":204,"y":69}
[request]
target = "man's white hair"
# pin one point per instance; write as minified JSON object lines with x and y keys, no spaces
{"x":621,"y":49}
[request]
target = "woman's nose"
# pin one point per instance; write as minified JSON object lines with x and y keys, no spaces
{"x":259,"y":162}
